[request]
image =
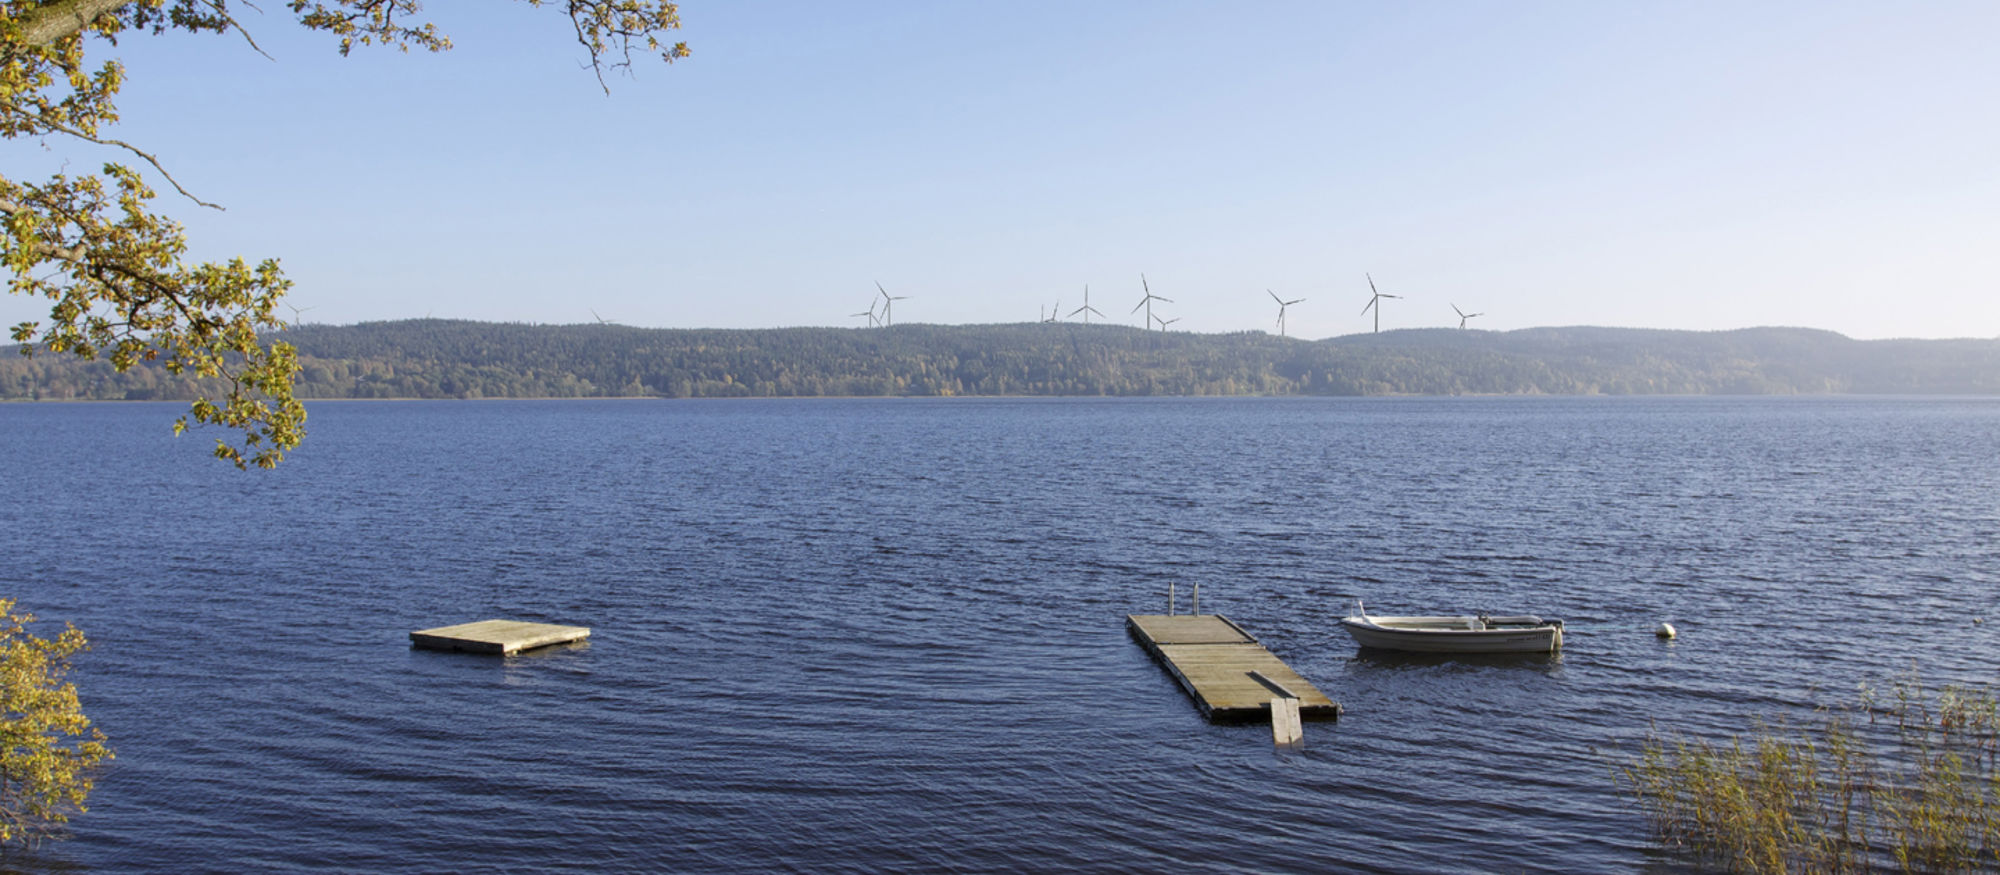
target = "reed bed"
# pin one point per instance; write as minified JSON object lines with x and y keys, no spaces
{"x":1903,"y":780}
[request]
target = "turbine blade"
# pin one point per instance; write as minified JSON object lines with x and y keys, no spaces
{"x":1371,"y":303}
{"x":1461,"y":313}
{"x":1158,"y":298}
{"x":1371,"y":282}
{"x":1274,"y":297}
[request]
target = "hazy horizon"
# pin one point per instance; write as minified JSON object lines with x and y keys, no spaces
{"x":1175,"y":329}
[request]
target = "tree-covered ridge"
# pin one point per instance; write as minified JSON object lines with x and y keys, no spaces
{"x":433,"y":358}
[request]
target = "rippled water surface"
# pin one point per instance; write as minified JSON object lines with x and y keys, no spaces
{"x":888,"y":634}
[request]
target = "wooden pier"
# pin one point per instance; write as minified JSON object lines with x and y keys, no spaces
{"x":1230,"y":676}
{"x":504,"y":637}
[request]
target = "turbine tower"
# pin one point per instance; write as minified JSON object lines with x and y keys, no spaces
{"x":1282,"y":304}
{"x":1147,"y":301}
{"x":1462,"y":315}
{"x":1373,"y":302}
{"x":888,"y":301}
{"x":1086,"y":309}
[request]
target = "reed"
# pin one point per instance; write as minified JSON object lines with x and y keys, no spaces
{"x":1901,"y":781}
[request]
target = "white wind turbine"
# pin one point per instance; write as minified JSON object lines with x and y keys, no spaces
{"x":1086,"y":309}
{"x":1147,"y":301}
{"x":1462,"y":315}
{"x":888,"y":301}
{"x":1373,"y":302}
{"x":1282,"y":304}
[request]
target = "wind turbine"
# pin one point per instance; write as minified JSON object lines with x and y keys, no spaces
{"x":1166,"y":322}
{"x":1462,"y":315}
{"x":1147,"y":301}
{"x":1055,"y":315}
{"x":888,"y":301}
{"x":600,"y":320}
{"x":1282,"y":304}
{"x":299,"y":314}
{"x":870,"y":313}
{"x":1372,"y":302}
{"x":1086,"y":309}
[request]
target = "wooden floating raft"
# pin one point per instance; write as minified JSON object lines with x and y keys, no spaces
{"x":1223,"y":668}
{"x":504,"y":637}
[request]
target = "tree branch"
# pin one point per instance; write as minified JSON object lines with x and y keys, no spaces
{"x":52,"y":21}
{"x":55,"y":127}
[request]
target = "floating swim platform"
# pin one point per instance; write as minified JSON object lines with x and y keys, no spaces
{"x":504,"y":637}
{"x":1230,"y":676}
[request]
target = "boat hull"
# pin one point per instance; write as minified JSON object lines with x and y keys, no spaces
{"x":1435,"y":637}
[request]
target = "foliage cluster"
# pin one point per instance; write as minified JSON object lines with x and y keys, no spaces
{"x":115,"y":273}
{"x":48,"y":748}
{"x":453,"y":359}
{"x":1915,"y":787}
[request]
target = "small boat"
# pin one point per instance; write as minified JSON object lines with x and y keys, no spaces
{"x":1475,"y":634}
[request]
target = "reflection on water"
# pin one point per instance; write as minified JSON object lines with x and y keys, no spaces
{"x":1373,"y":659}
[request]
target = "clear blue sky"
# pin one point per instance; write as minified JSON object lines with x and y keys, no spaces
{"x":1698,"y":165}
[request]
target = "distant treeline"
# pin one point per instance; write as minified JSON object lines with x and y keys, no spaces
{"x":433,"y":358}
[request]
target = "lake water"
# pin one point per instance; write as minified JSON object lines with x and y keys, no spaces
{"x":869,"y":635}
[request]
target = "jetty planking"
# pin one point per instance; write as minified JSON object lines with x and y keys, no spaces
{"x":504,"y":637}
{"x":1230,"y":676}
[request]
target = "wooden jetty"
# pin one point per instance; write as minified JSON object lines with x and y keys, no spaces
{"x":1223,"y":668}
{"x":504,"y":637}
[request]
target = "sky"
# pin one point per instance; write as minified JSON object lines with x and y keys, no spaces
{"x":1684,"y":165}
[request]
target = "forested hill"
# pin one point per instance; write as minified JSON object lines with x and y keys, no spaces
{"x":433,"y":358}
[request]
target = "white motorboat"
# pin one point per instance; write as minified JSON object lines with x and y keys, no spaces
{"x":1475,"y":634}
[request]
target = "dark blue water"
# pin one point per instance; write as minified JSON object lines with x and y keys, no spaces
{"x":887,"y":634}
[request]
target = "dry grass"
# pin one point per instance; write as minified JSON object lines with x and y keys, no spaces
{"x":1904,"y":782}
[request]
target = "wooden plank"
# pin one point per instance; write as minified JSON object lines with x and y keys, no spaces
{"x":1285,"y":728}
{"x":504,"y":637}
{"x":1274,"y":686}
{"x":1228,"y":674}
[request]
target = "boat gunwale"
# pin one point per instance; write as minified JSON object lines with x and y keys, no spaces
{"x":1455,"y":625}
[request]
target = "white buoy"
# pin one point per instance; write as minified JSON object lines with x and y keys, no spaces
{"x":1666,"y":630}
